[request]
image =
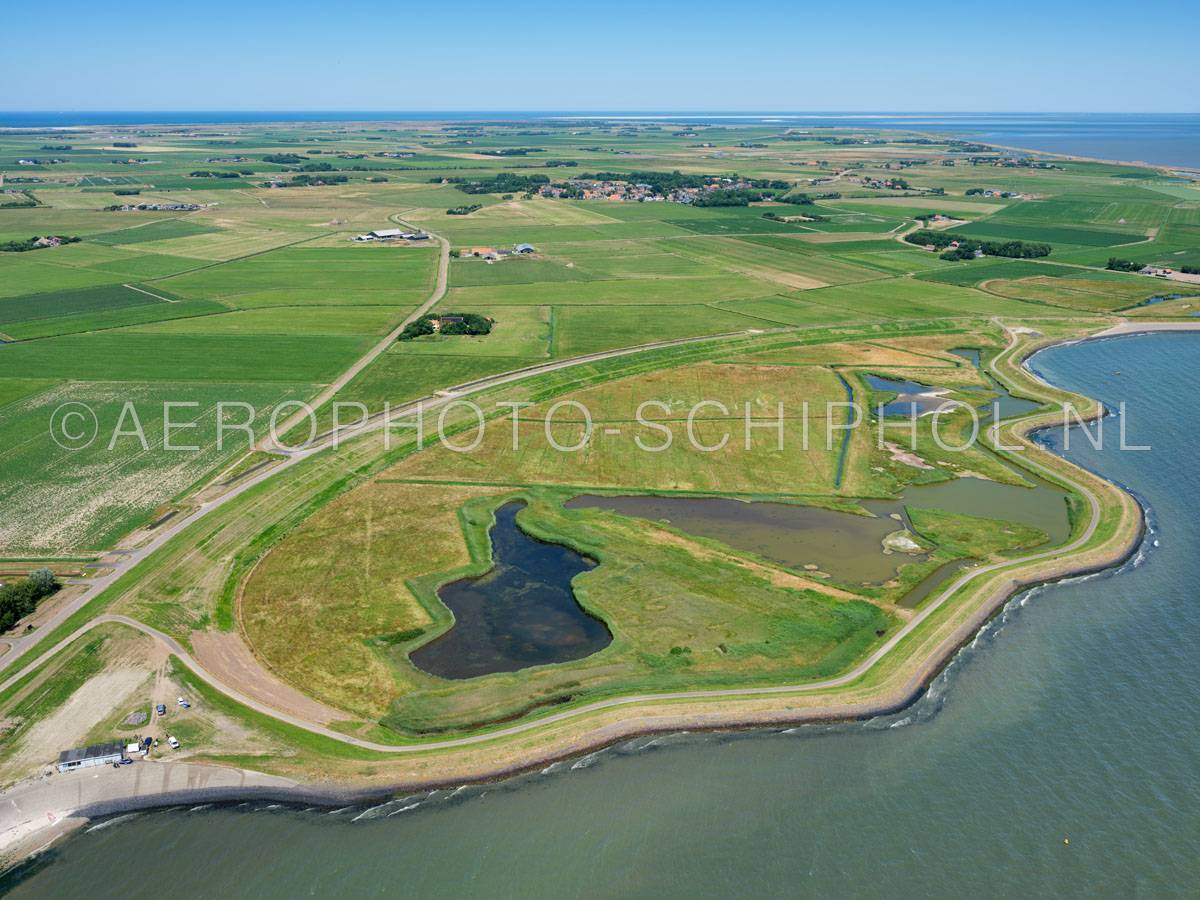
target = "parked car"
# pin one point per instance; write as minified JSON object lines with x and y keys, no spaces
{"x":161,"y":709}
{"x":174,"y":743}
{"x":126,"y":762}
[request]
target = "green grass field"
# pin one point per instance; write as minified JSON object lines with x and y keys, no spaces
{"x":325,"y":566}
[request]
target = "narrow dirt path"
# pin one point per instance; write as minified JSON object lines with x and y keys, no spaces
{"x":930,"y":609}
{"x":371,"y":355}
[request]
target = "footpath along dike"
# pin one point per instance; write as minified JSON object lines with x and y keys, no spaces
{"x":37,"y":811}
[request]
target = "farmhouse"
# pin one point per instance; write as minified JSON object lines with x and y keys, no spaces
{"x":87,"y":757}
{"x":391,"y":234}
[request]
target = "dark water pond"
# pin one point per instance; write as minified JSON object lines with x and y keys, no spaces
{"x":520,"y":613}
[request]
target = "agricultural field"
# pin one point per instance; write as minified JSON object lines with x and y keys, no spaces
{"x":616,"y":282}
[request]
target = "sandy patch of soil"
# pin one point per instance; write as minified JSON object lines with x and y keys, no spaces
{"x":899,"y":454}
{"x":226,"y":655}
{"x":98,"y":699}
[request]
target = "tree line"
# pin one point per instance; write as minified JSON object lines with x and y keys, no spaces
{"x":967,"y":247}
{"x":20,"y":598}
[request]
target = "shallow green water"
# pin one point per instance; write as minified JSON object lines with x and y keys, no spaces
{"x":847,"y":546}
{"x":1073,"y":716}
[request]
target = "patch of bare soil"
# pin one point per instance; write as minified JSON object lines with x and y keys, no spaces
{"x":227,"y":656}
{"x":101,"y":697}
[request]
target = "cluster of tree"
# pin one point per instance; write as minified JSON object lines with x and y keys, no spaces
{"x":968,"y":147}
{"x":20,"y":598}
{"x":724,"y":197}
{"x":512,"y":151}
{"x":204,"y":173}
{"x":448,"y":323}
{"x":36,"y":243}
{"x":377,"y":179}
{"x":464,"y":210}
{"x":796,"y":199}
{"x":124,"y":144}
{"x":127,"y":192}
{"x":1190,"y":270}
{"x":283,"y":159}
{"x":1123,"y":265}
{"x":561,"y":163}
{"x":665,"y":182}
{"x":968,"y":246}
{"x":502,"y":183}
{"x":310,"y":181}
{"x":317,"y":167}
{"x":808,"y":216}
{"x":18,"y":200}
{"x":660,"y":182}
{"x":58,"y":146}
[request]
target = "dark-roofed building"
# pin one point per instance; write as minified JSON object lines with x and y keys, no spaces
{"x":95,"y":755}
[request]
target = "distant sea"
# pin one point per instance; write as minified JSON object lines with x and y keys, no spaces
{"x":1170,"y":139}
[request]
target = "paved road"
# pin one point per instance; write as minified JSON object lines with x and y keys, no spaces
{"x":842,"y":680}
{"x":370,"y":356}
{"x":94,"y":586}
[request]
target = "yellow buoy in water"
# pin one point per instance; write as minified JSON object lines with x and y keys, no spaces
{"x":1066,"y":840}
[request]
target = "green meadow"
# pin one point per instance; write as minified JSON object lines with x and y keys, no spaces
{"x":261,"y":295}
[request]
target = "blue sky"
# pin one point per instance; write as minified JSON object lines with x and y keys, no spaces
{"x":755,"y":55}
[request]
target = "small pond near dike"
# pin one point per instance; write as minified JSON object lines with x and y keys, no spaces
{"x":847,"y":546}
{"x":915,"y":397}
{"x":522,"y":612}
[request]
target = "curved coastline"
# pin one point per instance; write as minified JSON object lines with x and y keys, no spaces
{"x":762,"y":708}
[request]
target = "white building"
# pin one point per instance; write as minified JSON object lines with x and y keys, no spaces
{"x":87,"y":757}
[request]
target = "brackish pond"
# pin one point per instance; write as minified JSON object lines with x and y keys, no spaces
{"x":849,"y":547}
{"x":520,"y":613}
